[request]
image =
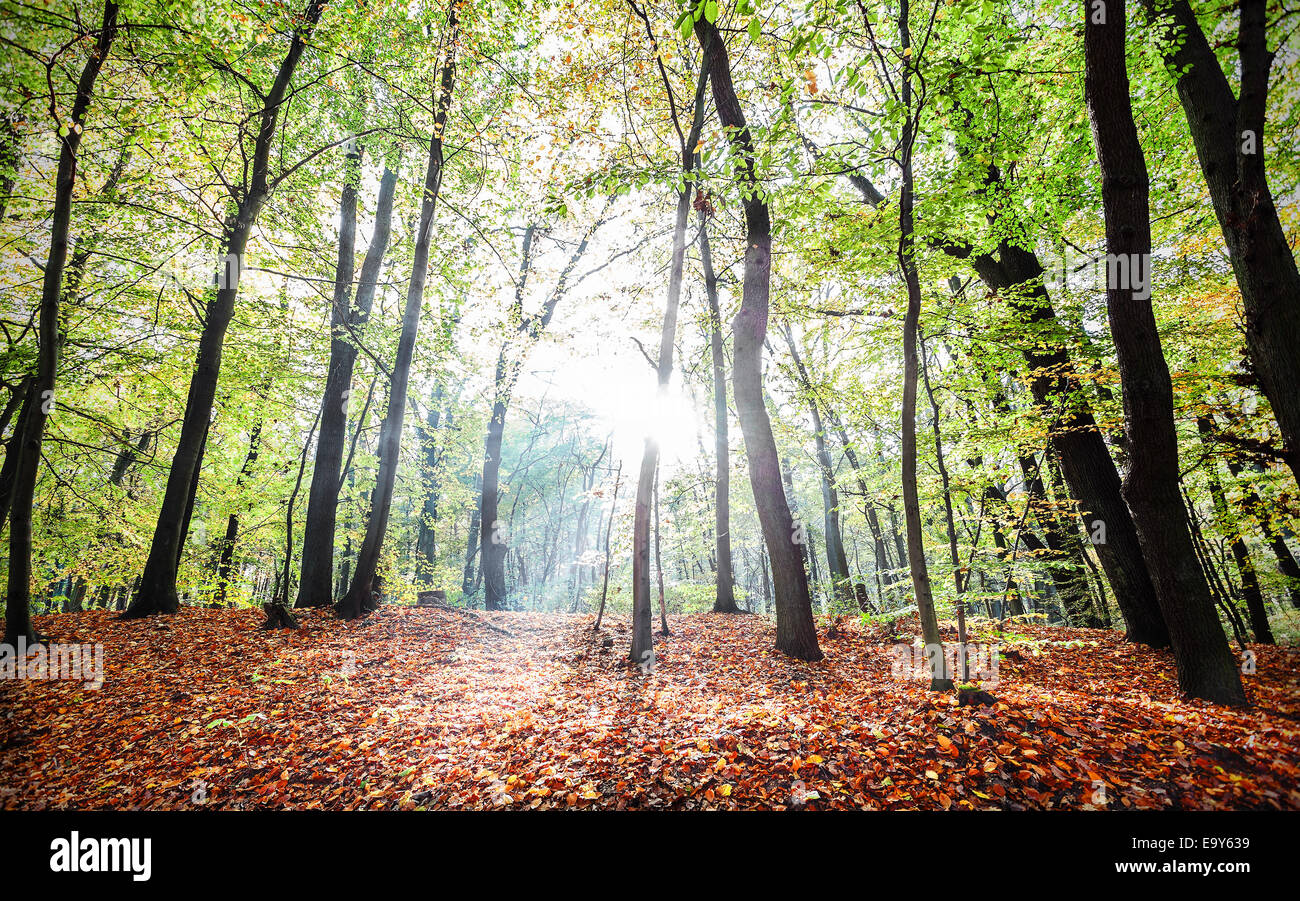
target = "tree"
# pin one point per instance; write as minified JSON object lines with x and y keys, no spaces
{"x":725,"y":599}
{"x":940,"y":679}
{"x":360,"y":598}
{"x":156,"y":592}
{"x":646,"y":497}
{"x":796,"y":634}
{"x":40,"y":402}
{"x":1205,"y":665}
{"x":315,"y":585}
{"x":1228,"y":132}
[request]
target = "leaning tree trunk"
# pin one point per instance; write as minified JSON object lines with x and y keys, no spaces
{"x":1205,"y":665}
{"x":359,"y":597}
{"x":31,"y":425}
{"x":156,"y":592}
{"x":316,"y":579}
{"x":796,"y":633}
{"x":1228,"y":133}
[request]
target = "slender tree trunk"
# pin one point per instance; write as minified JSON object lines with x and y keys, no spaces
{"x":796,"y":633}
{"x":277,"y":612}
{"x":232,"y":524}
{"x":725,"y":599}
{"x":1205,"y":665}
{"x":31,"y":423}
{"x":1229,"y":526}
{"x":471,"y":545}
{"x":492,"y":542}
{"x":426,"y":542}
{"x":642,"y":624}
{"x":881,"y":551}
{"x":659,"y":566}
{"x":613,"y":507}
{"x":156,"y":592}
{"x":940,"y":679}
{"x":361,"y":596}
{"x":836,"y":559}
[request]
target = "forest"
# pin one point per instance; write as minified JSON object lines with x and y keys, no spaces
{"x":742,"y":404}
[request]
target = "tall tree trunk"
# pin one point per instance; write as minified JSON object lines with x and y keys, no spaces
{"x":31,"y":423}
{"x":1205,"y":665}
{"x":725,"y":599}
{"x":940,"y":679}
{"x":360,"y":596}
{"x":492,"y":543}
{"x":796,"y":634}
{"x":646,"y":486}
{"x":347,"y":317}
{"x":156,"y":592}
{"x":1228,"y":133}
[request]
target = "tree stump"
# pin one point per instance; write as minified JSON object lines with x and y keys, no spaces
{"x":436,"y":598}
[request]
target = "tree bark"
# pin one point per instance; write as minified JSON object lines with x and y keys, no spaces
{"x":1205,"y":665}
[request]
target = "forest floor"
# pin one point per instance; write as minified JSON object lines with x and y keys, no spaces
{"x":435,"y":708}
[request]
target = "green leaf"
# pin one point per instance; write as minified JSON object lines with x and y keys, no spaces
{"x":711,"y":11}
{"x":755,"y":28}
